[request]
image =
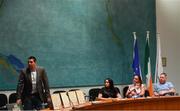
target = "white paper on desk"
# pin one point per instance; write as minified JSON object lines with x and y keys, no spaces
{"x":80,"y":96}
{"x":73,"y":97}
{"x":97,"y":102}
{"x":56,"y":101}
{"x":65,"y":100}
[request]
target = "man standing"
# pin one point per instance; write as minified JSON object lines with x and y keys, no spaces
{"x":33,"y":88}
{"x":163,"y":88}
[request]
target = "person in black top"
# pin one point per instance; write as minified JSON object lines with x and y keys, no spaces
{"x":108,"y":91}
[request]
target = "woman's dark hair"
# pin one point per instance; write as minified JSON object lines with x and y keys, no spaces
{"x":139,"y":77}
{"x":110,"y":82}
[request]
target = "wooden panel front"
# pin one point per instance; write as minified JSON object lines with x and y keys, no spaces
{"x":160,"y":103}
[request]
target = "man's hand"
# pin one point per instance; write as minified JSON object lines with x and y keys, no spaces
{"x":156,"y":94}
{"x":49,"y":103}
{"x":162,"y":93}
{"x":48,"y":99}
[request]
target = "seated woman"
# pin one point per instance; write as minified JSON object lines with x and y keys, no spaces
{"x":137,"y":89}
{"x":108,"y":91}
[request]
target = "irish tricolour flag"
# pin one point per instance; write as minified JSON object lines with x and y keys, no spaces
{"x":147,"y":67}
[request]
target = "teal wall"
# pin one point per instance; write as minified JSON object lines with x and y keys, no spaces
{"x":79,"y":42}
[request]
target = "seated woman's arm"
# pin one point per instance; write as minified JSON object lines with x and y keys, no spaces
{"x":119,"y":95}
{"x":100,"y":98}
{"x":129,"y":92}
{"x":100,"y":95}
{"x":142,"y":91}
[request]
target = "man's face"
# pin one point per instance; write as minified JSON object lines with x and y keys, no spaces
{"x":162,"y":79}
{"x":31,"y":64}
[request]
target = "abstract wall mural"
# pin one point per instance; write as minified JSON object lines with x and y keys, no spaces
{"x":10,"y":67}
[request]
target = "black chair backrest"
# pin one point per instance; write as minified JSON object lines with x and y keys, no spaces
{"x":13,"y":98}
{"x":93,"y":93}
{"x":58,"y":91}
{"x":3,"y":101}
{"x":125,"y":90}
{"x":73,"y":89}
{"x":117,"y":90}
{"x":146,"y":93}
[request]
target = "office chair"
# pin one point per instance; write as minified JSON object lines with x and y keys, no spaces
{"x":72,"y":98}
{"x":73,"y":89}
{"x":58,"y":91}
{"x":93,"y":93}
{"x":12,"y":98}
{"x":125,"y":90}
{"x":146,"y":94}
{"x":81,"y":96}
{"x":56,"y":101}
{"x":3,"y":102}
{"x":65,"y":100}
{"x":117,"y":90}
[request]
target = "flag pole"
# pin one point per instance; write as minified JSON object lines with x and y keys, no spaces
{"x":134,"y":34}
{"x":159,"y":68}
{"x":147,"y":34}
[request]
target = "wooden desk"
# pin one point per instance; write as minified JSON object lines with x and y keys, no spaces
{"x":159,"y":103}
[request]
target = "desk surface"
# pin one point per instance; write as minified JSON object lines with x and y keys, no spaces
{"x":158,"y":103}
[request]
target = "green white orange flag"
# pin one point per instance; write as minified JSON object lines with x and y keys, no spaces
{"x":147,"y":67}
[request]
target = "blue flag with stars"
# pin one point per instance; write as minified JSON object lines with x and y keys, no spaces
{"x":135,"y":65}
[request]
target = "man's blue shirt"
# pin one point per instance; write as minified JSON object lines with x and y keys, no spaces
{"x":161,"y":87}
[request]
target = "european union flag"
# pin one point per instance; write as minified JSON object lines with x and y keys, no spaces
{"x":135,"y":65}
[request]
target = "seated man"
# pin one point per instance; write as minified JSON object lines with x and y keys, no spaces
{"x":163,"y":88}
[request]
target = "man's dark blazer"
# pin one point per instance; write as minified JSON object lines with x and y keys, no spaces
{"x":24,"y":87}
